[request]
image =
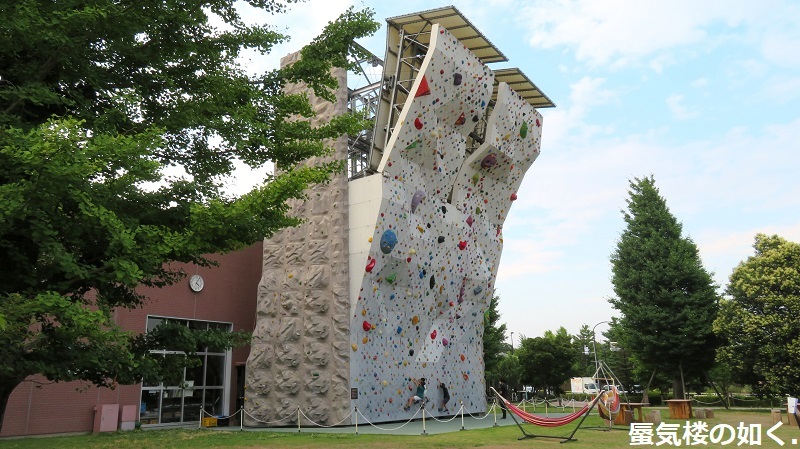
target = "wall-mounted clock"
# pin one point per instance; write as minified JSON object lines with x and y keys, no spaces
{"x":196,"y":282}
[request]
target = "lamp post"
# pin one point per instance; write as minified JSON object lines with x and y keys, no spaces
{"x":594,"y":346}
{"x":512,"y":342}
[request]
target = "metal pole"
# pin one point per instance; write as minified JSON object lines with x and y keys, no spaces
{"x":200,"y":425}
{"x":298,"y":419}
{"x":356,"y":412}
{"x":422,"y":406}
{"x":494,"y":412}
{"x":462,"y":413}
{"x":241,"y":418}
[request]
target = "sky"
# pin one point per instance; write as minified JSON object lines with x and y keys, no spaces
{"x":702,"y":95}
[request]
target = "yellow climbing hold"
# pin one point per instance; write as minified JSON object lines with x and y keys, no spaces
{"x":370,"y":239}
{"x":364,"y":340}
{"x":414,"y":319}
{"x":354,"y":346}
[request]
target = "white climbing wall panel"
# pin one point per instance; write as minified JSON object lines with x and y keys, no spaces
{"x":426,"y":235}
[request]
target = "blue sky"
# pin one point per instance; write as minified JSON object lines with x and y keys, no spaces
{"x":703,"y":95}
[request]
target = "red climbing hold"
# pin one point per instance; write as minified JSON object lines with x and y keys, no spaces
{"x":423,"y":88}
{"x":433,"y":335}
{"x":462,"y":244}
{"x":461,"y":119}
{"x":367,"y":327}
{"x":418,"y":123}
{"x":513,"y":197}
{"x":370,"y":265}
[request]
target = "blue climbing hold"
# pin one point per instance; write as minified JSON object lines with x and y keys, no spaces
{"x":388,"y":241}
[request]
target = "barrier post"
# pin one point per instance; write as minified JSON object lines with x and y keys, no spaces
{"x":546,"y":412}
{"x":422,"y":406}
{"x":298,"y":419}
{"x":462,"y":414}
{"x":241,"y":418}
{"x":356,"y":412}
{"x":200,"y":425}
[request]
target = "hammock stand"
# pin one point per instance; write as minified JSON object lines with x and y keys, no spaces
{"x":547,"y":422}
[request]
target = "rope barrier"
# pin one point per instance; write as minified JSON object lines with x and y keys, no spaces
{"x":323,"y":425}
{"x":355,"y":413}
{"x":386,"y":429}
{"x":265,"y":422}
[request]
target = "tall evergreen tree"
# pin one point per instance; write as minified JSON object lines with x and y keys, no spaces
{"x":758,"y":321}
{"x":666,"y":298}
{"x":585,"y":347}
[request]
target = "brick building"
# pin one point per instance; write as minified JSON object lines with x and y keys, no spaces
{"x":227,"y":299}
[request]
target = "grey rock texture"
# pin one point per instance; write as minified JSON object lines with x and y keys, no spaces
{"x":299,"y":355}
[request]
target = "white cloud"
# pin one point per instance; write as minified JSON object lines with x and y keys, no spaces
{"x":699,"y":82}
{"x":620,"y":33}
{"x":679,"y":111}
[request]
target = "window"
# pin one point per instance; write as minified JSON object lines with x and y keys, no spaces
{"x":179,"y":396}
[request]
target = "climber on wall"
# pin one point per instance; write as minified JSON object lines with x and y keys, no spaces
{"x":445,"y":398}
{"x":419,"y":394}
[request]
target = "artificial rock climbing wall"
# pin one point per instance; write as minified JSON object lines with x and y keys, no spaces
{"x":300,"y":351}
{"x":426,"y":235}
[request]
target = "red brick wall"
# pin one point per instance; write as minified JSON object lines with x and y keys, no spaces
{"x":229,"y":295}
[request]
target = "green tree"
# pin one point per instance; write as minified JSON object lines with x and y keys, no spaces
{"x":547,"y":361}
{"x":97,"y":101}
{"x":584,"y":362}
{"x":495,"y":347}
{"x":758,"y":320}
{"x":666,"y":298}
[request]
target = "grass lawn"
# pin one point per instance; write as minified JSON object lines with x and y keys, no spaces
{"x":590,"y":436}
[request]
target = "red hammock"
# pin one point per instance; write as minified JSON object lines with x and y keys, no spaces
{"x":547,"y":422}
{"x":609,"y":405}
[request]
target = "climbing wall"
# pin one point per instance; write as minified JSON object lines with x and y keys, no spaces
{"x":300,"y":351}
{"x":426,"y":236}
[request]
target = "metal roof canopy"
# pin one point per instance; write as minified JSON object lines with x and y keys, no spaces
{"x":523,"y":86}
{"x":419,"y":24}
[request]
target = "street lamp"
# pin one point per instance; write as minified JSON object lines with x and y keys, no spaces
{"x":512,"y":342}
{"x":594,"y":346}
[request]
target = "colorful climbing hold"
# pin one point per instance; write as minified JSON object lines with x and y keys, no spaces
{"x":418,"y":123}
{"x":523,"y":130}
{"x":388,"y":241}
{"x":457,"y":77}
{"x":391,"y":278}
{"x":489,"y":161}
{"x":513,"y":197}
{"x":419,"y":195}
{"x":423,"y":88}
{"x":366,"y":326}
{"x":370,"y":265}
{"x":462,"y":245}
{"x":476,"y":177}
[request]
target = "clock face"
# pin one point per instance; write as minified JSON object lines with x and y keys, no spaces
{"x":196,"y":282}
